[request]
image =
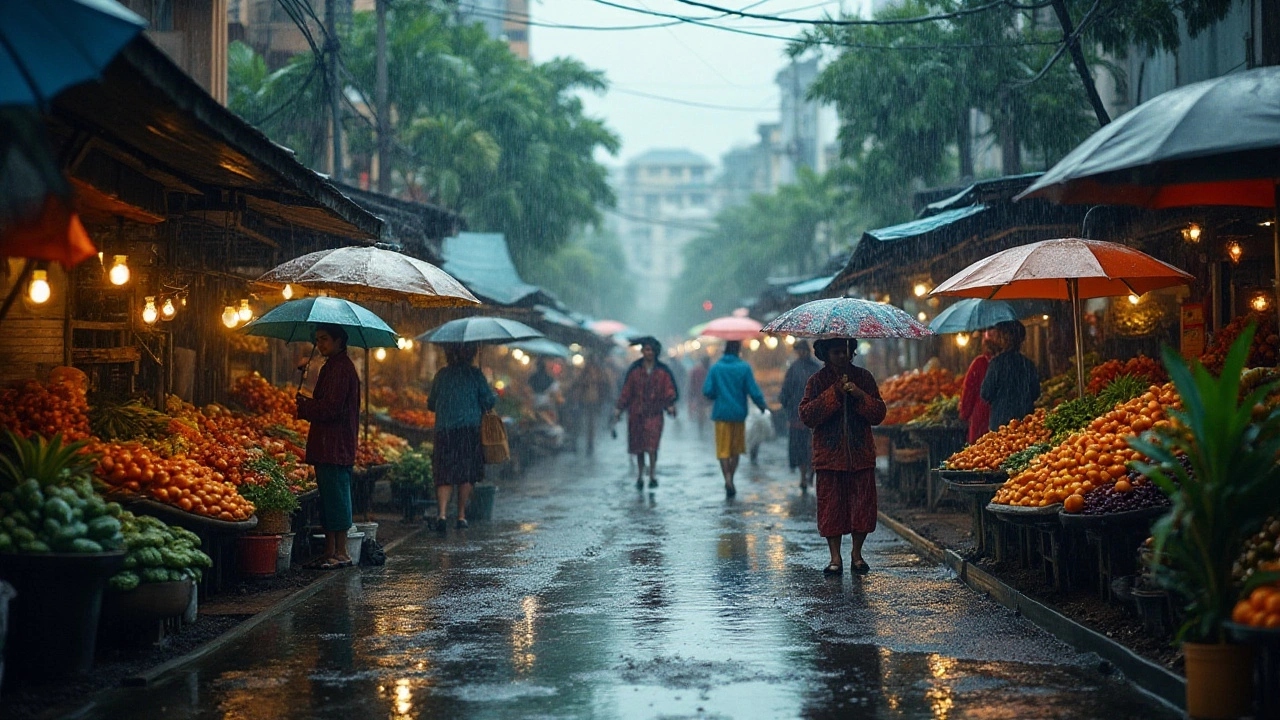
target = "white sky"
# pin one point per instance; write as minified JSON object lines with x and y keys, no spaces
{"x":686,"y":62}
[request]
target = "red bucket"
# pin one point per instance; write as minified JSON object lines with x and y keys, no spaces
{"x":258,"y":554}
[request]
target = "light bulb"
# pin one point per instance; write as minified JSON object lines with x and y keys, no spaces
{"x":287,"y":292}
{"x":1260,"y":302}
{"x":921,"y":316}
{"x":790,"y":340}
{"x":755,"y":345}
{"x":149,"y":313}
{"x":962,"y":340}
{"x":578,"y":360}
{"x":1191,"y":233}
{"x":246,"y":312}
{"x":1044,"y":317}
{"x":1134,"y":299}
{"x":575,"y":347}
{"x":230,"y":317}
{"x":400,"y":343}
{"x":380,"y":354}
{"x":771,"y":342}
{"x":119,"y":274}
{"x":1234,"y":251}
{"x":167,"y":311}
{"x":408,"y":343}
{"x":524,"y":360}
{"x":920,"y":289}
{"x":517,"y":354}
{"x":39,"y":290}
{"x":184,"y":301}
{"x":697,"y":345}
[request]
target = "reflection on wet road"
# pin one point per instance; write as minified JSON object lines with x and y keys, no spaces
{"x":586,"y":598}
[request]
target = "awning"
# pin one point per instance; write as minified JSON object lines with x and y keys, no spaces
{"x":923,"y":226}
{"x":483,"y":263}
{"x":418,"y":227}
{"x":556,"y":317}
{"x":809,"y":287}
{"x":999,"y":189}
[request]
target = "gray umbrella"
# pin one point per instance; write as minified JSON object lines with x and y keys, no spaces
{"x":972,"y":314}
{"x":480,"y":331}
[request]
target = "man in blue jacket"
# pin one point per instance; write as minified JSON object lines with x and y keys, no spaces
{"x":728,"y":384}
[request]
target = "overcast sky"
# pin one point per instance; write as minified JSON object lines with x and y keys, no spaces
{"x":684,"y":62}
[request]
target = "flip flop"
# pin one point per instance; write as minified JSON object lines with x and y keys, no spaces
{"x":332,"y":565}
{"x":316,"y":564}
{"x":833,"y":569}
{"x":861,"y":567}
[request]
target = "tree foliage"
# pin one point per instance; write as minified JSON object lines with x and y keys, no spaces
{"x":589,"y":273}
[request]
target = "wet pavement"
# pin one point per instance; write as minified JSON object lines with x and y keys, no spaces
{"x":585,"y":598}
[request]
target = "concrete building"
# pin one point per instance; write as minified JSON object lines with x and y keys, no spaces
{"x":665,"y":198}
{"x":503,"y":20}
{"x":752,"y":169}
{"x":193,"y":33}
{"x":798,"y":119}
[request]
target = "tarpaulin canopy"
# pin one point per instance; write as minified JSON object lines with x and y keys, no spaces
{"x":483,"y":263}
{"x":809,"y":287}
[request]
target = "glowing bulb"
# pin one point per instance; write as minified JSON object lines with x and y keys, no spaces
{"x":167,"y":311}
{"x":524,"y":360}
{"x":1044,"y":317}
{"x":697,"y":345}
{"x":408,"y":343}
{"x":575,"y":347}
{"x":184,"y":301}
{"x":1260,"y":302}
{"x":790,"y":340}
{"x":230,"y":317}
{"x":578,"y":360}
{"x":287,"y":292}
{"x":920,"y":289}
{"x":518,"y":354}
{"x":1191,"y":233}
{"x":1134,"y":299}
{"x":400,"y":343}
{"x":246,"y":312}
{"x":119,"y":273}
{"x":921,"y":316}
{"x":39,"y":290}
{"x":1234,"y":251}
{"x":380,"y":354}
{"x":962,"y":340}
{"x":499,"y":385}
{"x":149,"y":313}
{"x":754,"y":345}
{"x":771,"y":342}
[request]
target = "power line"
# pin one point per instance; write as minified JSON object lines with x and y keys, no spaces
{"x":953,"y":15}
{"x":664,"y":223}
{"x":691,"y":103}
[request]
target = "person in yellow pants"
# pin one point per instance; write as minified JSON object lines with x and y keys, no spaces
{"x":728,"y":385}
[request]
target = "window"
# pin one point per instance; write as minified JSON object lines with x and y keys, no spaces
{"x":697,"y":199}
{"x":698,"y":173}
{"x":675,"y":172}
{"x":653,"y":172}
{"x":675,"y":200}
{"x":651,"y":203}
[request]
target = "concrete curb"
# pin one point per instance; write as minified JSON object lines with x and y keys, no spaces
{"x":1154,"y":679}
{"x":153,"y":674}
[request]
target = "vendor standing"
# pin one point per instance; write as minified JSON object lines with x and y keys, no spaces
{"x":334,"y":413}
{"x":1012,"y":384}
{"x":973,"y":409}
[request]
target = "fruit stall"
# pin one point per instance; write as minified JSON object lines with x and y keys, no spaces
{"x":922,"y":422}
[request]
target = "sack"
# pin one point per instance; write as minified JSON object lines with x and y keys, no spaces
{"x":493,"y":439}
{"x":372,"y":554}
{"x":759,"y":427}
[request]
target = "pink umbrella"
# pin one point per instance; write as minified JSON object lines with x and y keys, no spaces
{"x":607,"y":327}
{"x":732,"y":328}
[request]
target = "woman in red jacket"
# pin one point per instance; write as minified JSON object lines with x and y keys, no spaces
{"x":973,"y":409}
{"x":841,"y":403}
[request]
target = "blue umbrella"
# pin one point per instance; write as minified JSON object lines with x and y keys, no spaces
{"x":296,"y":320}
{"x":480,"y":330}
{"x":47,"y":46}
{"x":973,"y":314}
{"x":542,"y":346}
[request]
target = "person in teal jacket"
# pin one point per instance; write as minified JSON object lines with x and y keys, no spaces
{"x":460,"y":396}
{"x":728,"y":385}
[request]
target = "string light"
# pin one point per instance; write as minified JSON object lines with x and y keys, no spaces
{"x":119,"y":273}
{"x":771,"y":342}
{"x":230,"y":317}
{"x":755,"y":345}
{"x":518,"y":354}
{"x":287,"y":292}
{"x":1235,"y":252}
{"x":149,"y":313}
{"x":921,"y":316}
{"x":1191,"y":233}
{"x":1260,"y":302}
{"x":920,"y":289}
{"x":1044,"y":317}
{"x":578,"y":360}
{"x":1134,"y":299}
{"x":167,"y":311}
{"x":380,"y":354}
{"x":962,"y":340}
{"x":246,"y":312}
{"x":39,"y":291}
{"x":790,"y":340}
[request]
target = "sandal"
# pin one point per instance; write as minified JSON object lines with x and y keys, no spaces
{"x":316,"y":564}
{"x":861,"y":567}
{"x":833,"y":569}
{"x":332,"y":564}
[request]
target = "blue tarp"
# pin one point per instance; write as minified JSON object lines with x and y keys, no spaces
{"x":809,"y":287}
{"x":482,"y":262}
{"x":924,"y":226}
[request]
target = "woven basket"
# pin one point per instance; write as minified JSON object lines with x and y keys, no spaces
{"x":273,"y":522}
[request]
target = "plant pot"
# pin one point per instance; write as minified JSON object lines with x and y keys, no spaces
{"x":1153,"y":608}
{"x":481,"y":505}
{"x":133,"y":617}
{"x":258,"y":554}
{"x":1219,"y":680}
{"x":55,"y":612}
{"x":284,"y":560}
{"x":273,"y":522}
{"x":370,"y":529}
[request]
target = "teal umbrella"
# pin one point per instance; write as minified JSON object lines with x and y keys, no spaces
{"x":296,"y":321}
{"x":543,"y":347}
{"x":480,"y":330}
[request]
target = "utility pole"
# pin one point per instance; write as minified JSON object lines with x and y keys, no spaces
{"x":1077,"y":57}
{"x":335,"y":88}
{"x":384,"y":107}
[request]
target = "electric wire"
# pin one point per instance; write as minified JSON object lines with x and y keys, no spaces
{"x":953,"y":15}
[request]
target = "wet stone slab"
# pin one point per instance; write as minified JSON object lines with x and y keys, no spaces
{"x":585,"y":598}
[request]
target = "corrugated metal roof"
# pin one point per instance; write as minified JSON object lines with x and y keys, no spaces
{"x":483,"y":263}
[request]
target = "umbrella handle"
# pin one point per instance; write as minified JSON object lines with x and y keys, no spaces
{"x":305,"y":368}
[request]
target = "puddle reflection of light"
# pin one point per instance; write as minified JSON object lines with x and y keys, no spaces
{"x":528,"y":527}
{"x":940,"y":695}
{"x":404,"y":702}
{"x":522,"y":636}
{"x":752,"y":564}
{"x":776,"y":552}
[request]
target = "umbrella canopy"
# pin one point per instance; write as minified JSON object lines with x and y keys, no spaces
{"x":732,"y":327}
{"x":1049,"y":269}
{"x":847,"y":318}
{"x":972,"y":314}
{"x":543,"y":347}
{"x":1215,"y":142}
{"x":696,"y":330}
{"x":481,"y":331}
{"x":371,"y":274}
{"x":47,"y":46}
{"x":296,"y":320}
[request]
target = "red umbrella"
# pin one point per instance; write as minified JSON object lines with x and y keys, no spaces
{"x":732,"y":328}
{"x":1065,"y":269}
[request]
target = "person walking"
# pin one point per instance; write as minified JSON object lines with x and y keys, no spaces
{"x":728,"y":384}
{"x":333,"y":409}
{"x":973,"y":409}
{"x":648,"y":390}
{"x":459,"y":396}
{"x":841,"y":403}
{"x":1012,"y":383}
{"x":546,"y":399}
{"x":698,"y":405}
{"x":799,"y":436}
{"x":590,"y":390}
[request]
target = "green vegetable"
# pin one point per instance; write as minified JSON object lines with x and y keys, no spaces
{"x":83,"y":545}
{"x":35,"y":546}
{"x":154,"y":575}
{"x":23,"y":535}
{"x":104,"y":528}
{"x":57,"y":509}
{"x":114,"y":509}
{"x":6,"y":542}
{"x":124,"y":581}
{"x":1122,"y":389}
{"x":149,"y":557}
{"x":1073,"y":415}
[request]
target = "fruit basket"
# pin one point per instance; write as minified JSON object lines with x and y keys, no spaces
{"x":1128,"y":518}
{"x":177,"y":516}
{"x":974,"y":477}
{"x":1019,"y":511}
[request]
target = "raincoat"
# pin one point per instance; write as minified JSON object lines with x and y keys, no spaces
{"x":645,"y":396}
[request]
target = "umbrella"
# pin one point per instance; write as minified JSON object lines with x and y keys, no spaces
{"x":847,"y":318}
{"x":607,"y":327}
{"x":481,"y":331}
{"x":1215,"y":142}
{"x":696,"y":330}
{"x":371,"y":274}
{"x":47,"y":46}
{"x":972,"y":314}
{"x":1065,"y":269}
{"x":296,"y":320}
{"x":732,"y":327}
{"x":542,"y":346}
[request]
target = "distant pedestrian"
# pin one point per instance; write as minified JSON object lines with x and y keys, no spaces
{"x":799,"y":437}
{"x":648,"y":391}
{"x":334,"y":413}
{"x":973,"y":409}
{"x":699,"y":406}
{"x":728,"y":385}
{"x":590,"y":390}
{"x":459,"y":396}
{"x":841,"y":403}
{"x":547,"y":397}
{"x":1012,"y":384}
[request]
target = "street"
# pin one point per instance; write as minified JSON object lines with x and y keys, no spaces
{"x":584,"y":597}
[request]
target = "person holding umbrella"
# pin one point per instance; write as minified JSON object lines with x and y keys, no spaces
{"x":841,"y":403}
{"x":800,"y":438}
{"x":459,"y":396}
{"x":333,"y":409}
{"x":648,"y":390}
{"x":728,"y":384}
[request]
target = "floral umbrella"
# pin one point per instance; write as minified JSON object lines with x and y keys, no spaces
{"x":834,"y":318}
{"x":733,"y":327}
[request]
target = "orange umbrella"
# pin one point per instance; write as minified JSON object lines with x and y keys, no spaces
{"x":1065,"y":269}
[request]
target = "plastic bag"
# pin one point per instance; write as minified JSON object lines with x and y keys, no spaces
{"x":759,"y":427}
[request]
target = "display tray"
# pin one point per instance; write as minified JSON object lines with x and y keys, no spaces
{"x":973,"y":477}
{"x":972,"y":488}
{"x":1120,"y":519}
{"x":926,"y":430}
{"x":1018,"y":511}
{"x":177,"y":516}
{"x":1252,"y":635}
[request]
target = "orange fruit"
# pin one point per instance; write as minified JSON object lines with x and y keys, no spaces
{"x":1074,"y":503}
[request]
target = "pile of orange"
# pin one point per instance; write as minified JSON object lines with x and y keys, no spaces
{"x":178,"y":481}
{"x":920,"y":386}
{"x":417,"y":418}
{"x":35,"y":408}
{"x":255,"y":393}
{"x":1141,"y":367}
{"x":1260,"y":609}
{"x":988,"y":451}
{"x":900,"y":413}
{"x":1092,"y":458}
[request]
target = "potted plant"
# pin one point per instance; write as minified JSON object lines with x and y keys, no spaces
{"x":273,"y":500}
{"x":1232,"y":484}
{"x":411,"y":478}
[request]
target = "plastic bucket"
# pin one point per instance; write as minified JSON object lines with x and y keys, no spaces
{"x":354,"y":541}
{"x":481,"y":505}
{"x":258,"y":554}
{"x":370,"y":529}
{"x":1219,"y":680}
{"x":55,"y":613}
{"x":284,"y":560}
